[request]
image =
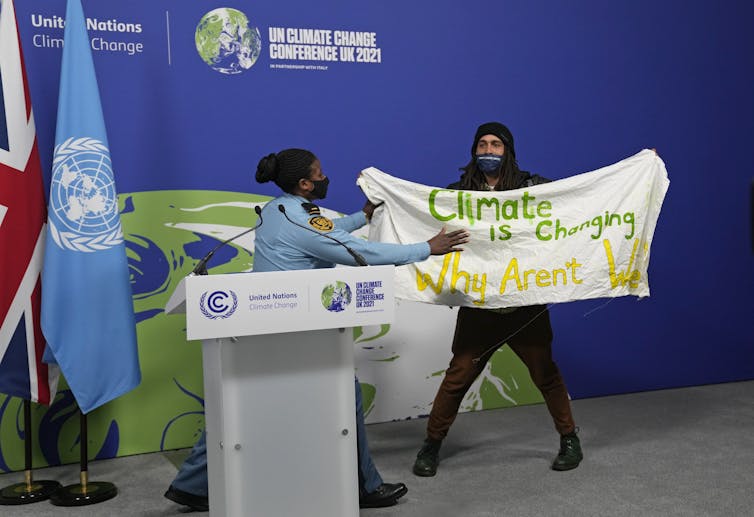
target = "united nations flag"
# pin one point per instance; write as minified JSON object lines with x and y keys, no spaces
{"x":87,"y":307}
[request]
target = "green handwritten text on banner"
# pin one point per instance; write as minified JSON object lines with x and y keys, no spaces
{"x":587,"y":236}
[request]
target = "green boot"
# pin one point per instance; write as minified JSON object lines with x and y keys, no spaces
{"x":570,"y":454}
{"x":428,"y":458}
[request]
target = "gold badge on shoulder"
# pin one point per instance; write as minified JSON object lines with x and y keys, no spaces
{"x":321,"y":223}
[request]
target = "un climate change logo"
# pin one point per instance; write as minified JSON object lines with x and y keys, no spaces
{"x":218,"y":304}
{"x":226,"y":42}
{"x":83,"y":200}
{"x":336,"y":296}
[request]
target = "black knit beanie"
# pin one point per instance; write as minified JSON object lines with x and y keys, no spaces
{"x":497,"y":129}
{"x":285,"y":168}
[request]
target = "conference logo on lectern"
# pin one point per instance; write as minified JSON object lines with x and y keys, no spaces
{"x":336,"y":296}
{"x":218,"y":304}
{"x":83,"y":201}
{"x":226,"y":41}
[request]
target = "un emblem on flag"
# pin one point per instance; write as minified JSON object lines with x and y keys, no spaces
{"x":218,"y":304}
{"x":83,"y":214}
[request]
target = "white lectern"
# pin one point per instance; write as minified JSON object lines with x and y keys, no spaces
{"x":279,"y":385}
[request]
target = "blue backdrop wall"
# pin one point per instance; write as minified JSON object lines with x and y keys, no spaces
{"x":582,"y":84}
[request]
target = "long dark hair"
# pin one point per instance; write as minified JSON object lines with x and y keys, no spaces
{"x":473,"y":179}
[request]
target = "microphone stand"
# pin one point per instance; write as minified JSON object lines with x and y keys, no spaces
{"x":201,"y":266}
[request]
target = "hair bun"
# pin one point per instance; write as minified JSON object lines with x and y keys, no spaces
{"x":267,"y":169}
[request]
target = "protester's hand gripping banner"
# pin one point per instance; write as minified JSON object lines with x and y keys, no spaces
{"x":587,"y":236}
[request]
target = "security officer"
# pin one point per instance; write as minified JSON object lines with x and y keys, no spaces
{"x":295,"y":235}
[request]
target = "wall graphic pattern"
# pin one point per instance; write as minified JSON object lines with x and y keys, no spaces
{"x":167,"y":232}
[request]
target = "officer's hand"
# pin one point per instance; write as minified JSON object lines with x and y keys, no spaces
{"x":443,"y":243}
{"x":369,"y":209}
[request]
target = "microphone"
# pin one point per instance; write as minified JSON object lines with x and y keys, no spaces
{"x":356,"y":255}
{"x":201,"y":267}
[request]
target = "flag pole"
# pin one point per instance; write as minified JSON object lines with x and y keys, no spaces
{"x":85,"y":492}
{"x":29,"y":491}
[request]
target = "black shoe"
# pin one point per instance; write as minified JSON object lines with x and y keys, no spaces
{"x":195,"y":502}
{"x":570,"y":454}
{"x":387,"y":494}
{"x":427,"y":459}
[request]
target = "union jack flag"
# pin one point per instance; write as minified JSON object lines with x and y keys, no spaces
{"x":22,"y":229}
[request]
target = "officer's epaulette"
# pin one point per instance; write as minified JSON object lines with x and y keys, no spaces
{"x":311,"y":208}
{"x":316,"y":220}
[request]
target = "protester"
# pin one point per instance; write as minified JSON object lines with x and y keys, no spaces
{"x":479,"y":332}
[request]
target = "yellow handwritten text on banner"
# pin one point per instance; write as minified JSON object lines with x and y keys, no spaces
{"x":587,"y":236}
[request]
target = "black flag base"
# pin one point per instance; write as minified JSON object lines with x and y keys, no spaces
{"x":28,"y":492}
{"x":84,"y":493}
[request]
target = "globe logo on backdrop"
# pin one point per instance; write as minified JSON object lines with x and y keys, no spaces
{"x":83,"y":200}
{"x":226,"y":42}
{"x":336,"y":296}
{"x":218,"y":304}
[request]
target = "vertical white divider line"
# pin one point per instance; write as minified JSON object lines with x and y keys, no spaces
{"x":167,"y":23}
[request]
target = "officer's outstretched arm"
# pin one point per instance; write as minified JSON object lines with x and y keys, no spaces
{"x":443,"y":242}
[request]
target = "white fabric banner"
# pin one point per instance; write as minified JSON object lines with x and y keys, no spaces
{"x":587,"y":236}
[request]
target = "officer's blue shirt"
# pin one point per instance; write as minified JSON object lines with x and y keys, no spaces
{"x":281,"y":245}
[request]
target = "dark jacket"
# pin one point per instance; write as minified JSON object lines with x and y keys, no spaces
{"x":524,"y":179}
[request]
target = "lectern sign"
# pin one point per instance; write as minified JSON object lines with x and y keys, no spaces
{"x":247,"y":304}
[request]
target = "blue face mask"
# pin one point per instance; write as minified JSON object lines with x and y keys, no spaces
{"x":488,"y":163}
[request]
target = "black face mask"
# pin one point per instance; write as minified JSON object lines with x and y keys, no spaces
{"x":320,"y":188}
